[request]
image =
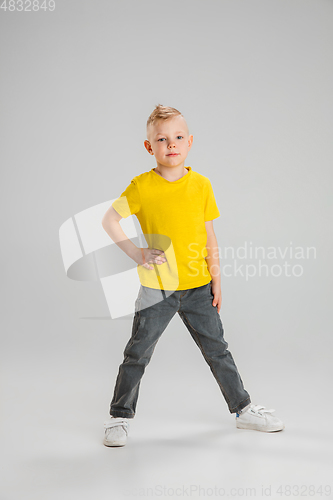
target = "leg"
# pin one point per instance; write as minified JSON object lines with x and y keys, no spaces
{"x":152,"y":316}
{"x":204,"y":324}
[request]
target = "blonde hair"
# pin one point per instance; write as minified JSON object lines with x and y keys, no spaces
{"x":162,"y":113}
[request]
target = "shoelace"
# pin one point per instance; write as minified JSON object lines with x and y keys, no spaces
{"x":260,"y":409}
{"x":115,"y":422}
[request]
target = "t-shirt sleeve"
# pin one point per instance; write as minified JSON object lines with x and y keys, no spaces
{"x":128,"y":202}
{"x":210,"y":207}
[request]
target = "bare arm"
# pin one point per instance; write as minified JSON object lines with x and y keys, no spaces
{"x":213,"y":264}
{"x":110,"y":223}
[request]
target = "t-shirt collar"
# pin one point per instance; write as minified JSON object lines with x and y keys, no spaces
{"x":173,"y":182}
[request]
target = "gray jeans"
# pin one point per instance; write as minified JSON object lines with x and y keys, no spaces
{"x":153,"y":312}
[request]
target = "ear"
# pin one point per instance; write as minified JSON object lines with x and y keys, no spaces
{"x":148,"y":147}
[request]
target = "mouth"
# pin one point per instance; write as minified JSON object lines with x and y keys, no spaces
{"x":173,"y":154}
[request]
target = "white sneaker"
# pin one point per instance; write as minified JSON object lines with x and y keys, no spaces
{"x":116,"y":431}
{"x":257,"y":418}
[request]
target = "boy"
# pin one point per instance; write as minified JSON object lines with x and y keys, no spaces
{"x":179,"y":272}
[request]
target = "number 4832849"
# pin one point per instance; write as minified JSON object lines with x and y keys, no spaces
{"x":27,"y":5}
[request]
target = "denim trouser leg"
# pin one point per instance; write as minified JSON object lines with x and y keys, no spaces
{"x":152,"y":316}
{"x":204,"y":324}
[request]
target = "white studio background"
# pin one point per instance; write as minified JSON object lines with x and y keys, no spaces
{"x":254,"y":80}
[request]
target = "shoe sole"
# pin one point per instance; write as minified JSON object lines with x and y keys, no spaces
{"x":106,"y":443}
{"x":254,"y":427}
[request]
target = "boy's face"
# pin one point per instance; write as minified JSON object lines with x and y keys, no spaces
{"x":169,"y":141}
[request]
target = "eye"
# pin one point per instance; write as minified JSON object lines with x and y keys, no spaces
{"x":180,"y":136}
{"x":162,"y":139}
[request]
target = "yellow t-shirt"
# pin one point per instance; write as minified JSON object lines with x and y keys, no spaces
{"x":172,"y":216}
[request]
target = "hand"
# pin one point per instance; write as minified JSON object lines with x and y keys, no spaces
{"x":148,"y":256}
{"x":216,"y":291}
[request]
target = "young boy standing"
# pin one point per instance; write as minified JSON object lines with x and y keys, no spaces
{"x":179,"y":273}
